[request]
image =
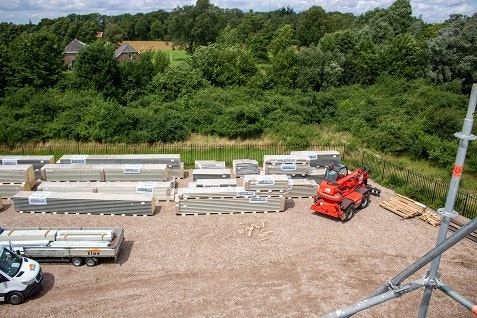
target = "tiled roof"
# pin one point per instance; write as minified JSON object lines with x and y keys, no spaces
{"x":124,"y":49}
{"x":74,"y":46}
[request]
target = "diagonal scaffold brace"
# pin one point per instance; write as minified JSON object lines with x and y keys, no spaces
{"x":392,"y":288}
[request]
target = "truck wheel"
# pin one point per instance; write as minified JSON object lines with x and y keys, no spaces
{"x":77,"y":261}
{"x":365,"y":201}
{"x":15,"y":298}
{"x":91,"y":261}
{"x":349,"y":212}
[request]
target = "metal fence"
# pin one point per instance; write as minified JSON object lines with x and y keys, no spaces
{"x":406,"y":182}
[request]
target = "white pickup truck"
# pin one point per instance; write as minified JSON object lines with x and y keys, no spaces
{"x":20,"y":277}
{"x":76,"y":245}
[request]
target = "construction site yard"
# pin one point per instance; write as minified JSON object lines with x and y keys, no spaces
{"x":281,"y":264}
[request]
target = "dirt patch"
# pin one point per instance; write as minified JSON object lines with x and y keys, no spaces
{"x":141,"y":46}
{"x":209,"y":266}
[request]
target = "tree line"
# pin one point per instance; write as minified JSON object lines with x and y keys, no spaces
{"x":396,"y":83}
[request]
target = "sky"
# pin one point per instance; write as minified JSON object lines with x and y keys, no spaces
{"x":23,"y":11}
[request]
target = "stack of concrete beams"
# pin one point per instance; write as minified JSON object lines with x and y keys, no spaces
{"x":209,"y":164}
{"x":173,"y":161}
{"x":302,"y":188}
{"x":321,"y":158}
{"x":292,"y":165}
{"x":84,"y":203}
{"x":225,"y":200}
{"x":266,"y":183}
{"x":36,"y":161}
{"x":161,"y":190}
{"x":14,"y":178}
{"x":72,"y":172}
{"x":212,"y":183}
{"x":135,"y":172}
{"x":316,"y":174}
{"x":242,"y":167}
{"x":210,"y":174}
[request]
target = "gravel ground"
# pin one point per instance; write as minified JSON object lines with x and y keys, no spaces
{"x":208,"y":266}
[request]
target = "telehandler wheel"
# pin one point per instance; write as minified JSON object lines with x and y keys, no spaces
{"x":15,"y":298}
{"x":349,"y":212}
{"x":365,"y":201}
{"x":77,"y":261}
{"x":91,"y":261}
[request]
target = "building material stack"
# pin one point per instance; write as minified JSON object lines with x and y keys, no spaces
{"x":161,"y":190}
{"x":14,"y":178}
{"x":72,"y":172}
{"x":135,"y":172}
{"x":36,"y":161}
{"x":242,"y":167}
{"x":319,"y":160}
{"x":291,"y":165}
{"x":225,"y":200}
{"x":209,"y":164}
{"x":213,"y":183}
{"x":210,"y":174}
{"x":174,"y":165}
{"x":84,"y":203}
{"x":272,"y":183}
{"x":302,"y":188}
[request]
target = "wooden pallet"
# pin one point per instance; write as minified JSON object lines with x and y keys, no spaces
{"x":431,"y":217}
{"x":403,"y":206}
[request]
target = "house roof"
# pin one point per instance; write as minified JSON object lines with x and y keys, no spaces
{"x":124,"y":49}
{"x":74,"y":46}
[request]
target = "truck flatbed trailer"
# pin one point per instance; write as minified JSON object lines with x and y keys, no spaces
{"x":84,"y":245}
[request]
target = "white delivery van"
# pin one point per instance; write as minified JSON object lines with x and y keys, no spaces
{"x":20,"y":277}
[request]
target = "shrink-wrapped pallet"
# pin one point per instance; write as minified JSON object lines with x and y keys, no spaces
{"x":22,"y":173}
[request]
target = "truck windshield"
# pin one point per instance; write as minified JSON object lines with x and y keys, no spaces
{"x":10,"y":262}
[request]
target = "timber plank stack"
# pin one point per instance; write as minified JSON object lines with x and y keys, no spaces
{"x":84,"y":203}
{"x":403,"y":206}
{"x":431,"y":217}
{"x":459,"y":221}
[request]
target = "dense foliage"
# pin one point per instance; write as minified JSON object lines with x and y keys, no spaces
{"x":397,"y":84}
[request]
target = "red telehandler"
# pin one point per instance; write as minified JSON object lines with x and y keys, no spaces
{"x":342,"y":192}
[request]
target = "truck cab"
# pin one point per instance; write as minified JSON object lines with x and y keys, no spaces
{"x":20,"y":277}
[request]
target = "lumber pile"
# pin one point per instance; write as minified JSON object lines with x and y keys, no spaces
{"x":403,"y":206}
{"x":458,"y":222}
{"x":431,"y":217}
